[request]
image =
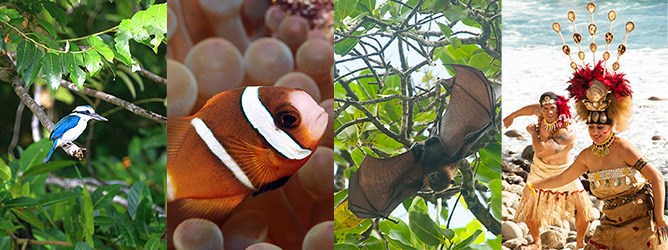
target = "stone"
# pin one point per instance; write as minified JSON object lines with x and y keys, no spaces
{"x":657,"y":138}
{"x":528,"y":152}
{"x":515,"y":188}
{"x":511,"y":230}
{"x":656,"y":98}
{"x":514,"y":179}
{"x":595,"y":214}
{"x":554,"y":237}
{"x":514,"y":243}
{"x":508,"y":198}
{"x":592,"y":228}
{"x":598,"y":204}
{"x":571,"y":245}
{"x":566,"y":225}
{"x":524,"y":227}
{"x":506,"y":214}
{"x":514,"y":133}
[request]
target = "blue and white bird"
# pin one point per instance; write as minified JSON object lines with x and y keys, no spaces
{"x":72,"y":126}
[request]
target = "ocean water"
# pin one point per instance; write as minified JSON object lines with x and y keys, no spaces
{"x":533,"y":63}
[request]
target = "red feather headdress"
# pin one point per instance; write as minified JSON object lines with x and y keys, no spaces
{"x":564,"y":112}
{"x":619,"y":108}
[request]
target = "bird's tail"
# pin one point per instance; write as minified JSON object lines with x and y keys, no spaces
{"x":51,"y":152}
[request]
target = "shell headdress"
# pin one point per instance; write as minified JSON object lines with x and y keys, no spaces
{"x":602,"y":96}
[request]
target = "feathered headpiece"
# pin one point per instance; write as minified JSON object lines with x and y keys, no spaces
{"x":601,"y":96}
{"x":564,"y":112}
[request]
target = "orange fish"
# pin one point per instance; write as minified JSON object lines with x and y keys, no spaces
{"x":243,"y":141}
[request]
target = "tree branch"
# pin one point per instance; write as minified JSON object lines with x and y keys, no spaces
{"x":479,"y":210}
{"x":152,"y":76}
{"x":116,"y":101}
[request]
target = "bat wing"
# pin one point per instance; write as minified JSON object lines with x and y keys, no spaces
{"x":380,"y":185}
{"x":470,"y":112}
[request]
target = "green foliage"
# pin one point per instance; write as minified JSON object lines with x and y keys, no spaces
{"x":382,"y":110}
{"x":36,"y":31}
{"x":114,"y":199}
{"x":33,"y":202}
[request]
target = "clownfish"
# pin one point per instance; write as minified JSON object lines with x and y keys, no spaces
{"x":243,"y":141}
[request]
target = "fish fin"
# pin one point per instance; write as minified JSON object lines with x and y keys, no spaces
{"x":209,"y":208}
{"x":177,"y":131}
{"x":272,"y":185}
{"x":261,"y":165}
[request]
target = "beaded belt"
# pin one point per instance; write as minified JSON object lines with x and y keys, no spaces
{"x":615,"y":202}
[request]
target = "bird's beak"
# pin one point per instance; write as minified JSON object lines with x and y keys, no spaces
{"x":98,"y":117}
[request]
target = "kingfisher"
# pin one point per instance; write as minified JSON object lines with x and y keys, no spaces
{"x":72,"y":126}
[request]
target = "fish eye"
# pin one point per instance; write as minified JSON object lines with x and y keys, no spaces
{"x":287,"y":119}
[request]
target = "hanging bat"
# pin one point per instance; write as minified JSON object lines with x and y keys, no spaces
{"x":380,"y":185}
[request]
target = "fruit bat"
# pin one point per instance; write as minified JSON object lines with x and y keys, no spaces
{"x":380,"y":185}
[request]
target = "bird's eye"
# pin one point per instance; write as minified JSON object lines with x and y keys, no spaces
{"x":287,"y":119}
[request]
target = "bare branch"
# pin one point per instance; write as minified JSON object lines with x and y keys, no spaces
{"x":152,"y":76}
{"x":116,"y":101}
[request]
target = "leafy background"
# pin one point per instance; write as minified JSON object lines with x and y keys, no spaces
{"x":70,"y":53}
{"x":387,"y":97}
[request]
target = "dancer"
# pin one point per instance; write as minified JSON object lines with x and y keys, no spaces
{"x":552,"y":139}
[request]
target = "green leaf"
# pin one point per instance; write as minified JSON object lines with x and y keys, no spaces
{"x":52,"y":198}
{"x":82,"y":246}
{"x":425,"y":228}
{"x":68,"y":61}
{"x":30,"y":218}
{"x":151,"y":22}
{"x":153,"y":244}
{"x":344,"y":8}
{"x":78,"y":77}
{"x":32,"y":71}
{"x":5,"y":171}
{"x":48,"y":27}
{"x":456,"y":43}
{"x":56,"y":12}
{"x":135,"y":196}
{"x":344,"y":47}
{"x":92,"y":61}
{"x":20,"y":202}
{"x":123,"y":35}
{"x":467,"y":242}
{"x":131,"y":87}
{"x":495,"y":201}
{"x":104,"y":195}
{"x":48,"y":167}
{"x":364,"y":7}
{"x":6,"y":14}
{"x":448,"y":233}
{"x":447,"y":31}
{"x":101,"y":47}
{"x":345,"y":246}
{"x":34,"y":154}
{"x":88,"y":217}
{"x":455,"y":13}
{"x":53,"y":69}
{"x":25,"y":53}
{"x":480,"y":60}
{"x":7,"y":225}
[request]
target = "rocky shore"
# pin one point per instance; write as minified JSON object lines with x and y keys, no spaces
{"x":516,"y":167}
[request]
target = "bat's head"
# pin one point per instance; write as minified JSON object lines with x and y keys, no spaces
{"x":441,"y":180}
